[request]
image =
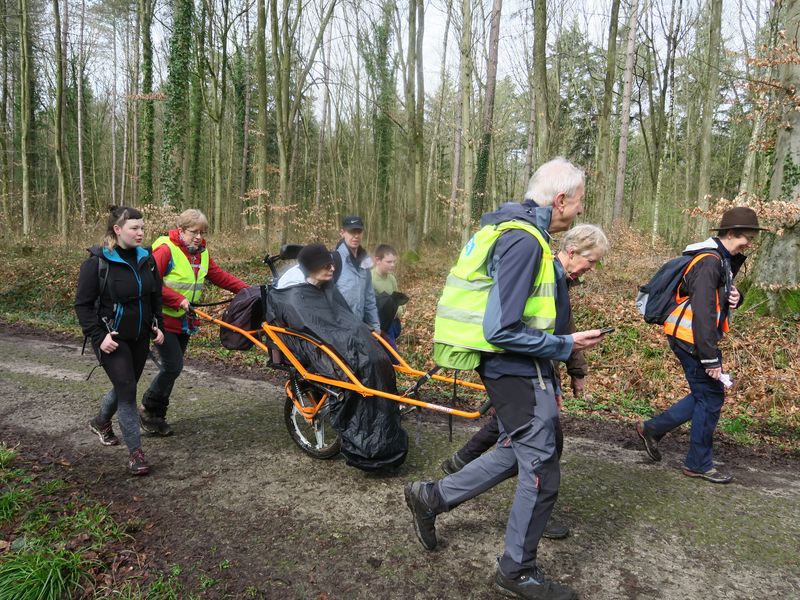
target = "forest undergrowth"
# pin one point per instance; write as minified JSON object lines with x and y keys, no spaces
{"x":633,"y":374}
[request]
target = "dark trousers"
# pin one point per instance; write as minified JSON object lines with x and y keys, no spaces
{"x":702,"y":407}
{"x":486,"y":437}
{"x":156,"y":399}
{"x":124,"y":366}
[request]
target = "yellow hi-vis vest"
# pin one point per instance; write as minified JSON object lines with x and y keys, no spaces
{"x":679,"y":322}
{"x":181,"y":278}
{"x":458,"y":328}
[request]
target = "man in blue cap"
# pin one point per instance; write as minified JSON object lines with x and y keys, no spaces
{"x":355,"y":277}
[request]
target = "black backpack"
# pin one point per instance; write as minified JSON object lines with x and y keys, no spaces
{"x":656,"y":298}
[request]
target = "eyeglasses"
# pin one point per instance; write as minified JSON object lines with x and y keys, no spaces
{"x":329,"y":267}
{"x":194,"y":233}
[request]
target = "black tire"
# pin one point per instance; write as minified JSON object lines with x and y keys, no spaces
{"x":318,"y":439}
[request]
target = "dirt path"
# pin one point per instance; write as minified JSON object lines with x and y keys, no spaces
{"x":230,"y":497}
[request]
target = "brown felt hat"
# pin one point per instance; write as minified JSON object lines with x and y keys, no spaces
{"x":738,"y":217}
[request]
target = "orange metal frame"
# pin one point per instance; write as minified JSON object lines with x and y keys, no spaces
{"x":353,"y":384}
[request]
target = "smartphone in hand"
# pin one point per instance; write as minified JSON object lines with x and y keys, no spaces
{"x":605,"y":330}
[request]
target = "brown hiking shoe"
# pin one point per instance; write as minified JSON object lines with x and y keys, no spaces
{"x":711,"y":475}
{"x":137,"y":465}
{"x":104,"y":431}
{"x":154,"y":424}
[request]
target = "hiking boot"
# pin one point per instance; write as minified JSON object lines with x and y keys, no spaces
{"x":154,"y":424}
{"x":711,"y":475}
{"x":137,"y":465}
{"x":532,"y":585}
{"x":453,"y":464}
{"x":104,"y":431}
{"x":650,"y":443}
{"x":424,"y":518}
{"x":555,"y":531}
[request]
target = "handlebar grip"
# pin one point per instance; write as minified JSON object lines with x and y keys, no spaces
{"x":485,"y":407}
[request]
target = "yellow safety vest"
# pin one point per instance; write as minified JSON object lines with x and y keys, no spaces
{"x":458,"y":328}
{"x":181,"y":278}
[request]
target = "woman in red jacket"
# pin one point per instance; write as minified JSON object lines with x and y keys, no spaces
{"x":184,"y":264}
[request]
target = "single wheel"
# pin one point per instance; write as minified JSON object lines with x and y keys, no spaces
{"x":316,"y":437}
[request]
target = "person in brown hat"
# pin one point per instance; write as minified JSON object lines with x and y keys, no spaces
{"x":694,"y":329}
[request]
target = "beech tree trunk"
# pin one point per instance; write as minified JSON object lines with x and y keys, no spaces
{"x":482,"y":169}
{"x":710,"y":102}
{"x":625,"y":117}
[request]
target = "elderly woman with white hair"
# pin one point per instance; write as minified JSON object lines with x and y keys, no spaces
{"x":184,"y":264}
{"x":581,"y":249}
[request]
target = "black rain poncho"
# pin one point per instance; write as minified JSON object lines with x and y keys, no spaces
{"x":372,"y":437}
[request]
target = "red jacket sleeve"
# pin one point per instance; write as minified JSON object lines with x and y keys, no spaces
{"x":224,"y":279}
{"x":169,"y":297}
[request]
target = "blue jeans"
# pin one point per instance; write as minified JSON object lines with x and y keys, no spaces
{"x":702,"y":407}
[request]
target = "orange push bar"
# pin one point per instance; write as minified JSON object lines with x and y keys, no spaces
{"x":353,"y":384}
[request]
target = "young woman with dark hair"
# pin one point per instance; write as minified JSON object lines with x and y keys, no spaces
{"x":118,"y":303}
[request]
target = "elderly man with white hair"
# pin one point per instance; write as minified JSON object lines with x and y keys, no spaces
{"x":581,"y":248}
{"x":498,"y":313}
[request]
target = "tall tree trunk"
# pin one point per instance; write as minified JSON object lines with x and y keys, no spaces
{"x":196,"y":131}
{"x":603,"y":152}
{"x":415,"y":100}
{"x":710,"y":102}
{"x":263,"y":121}
{"x":5,"y":129}
{"x":148,"y":109}
{"x":26,"y":110}
{"x":466,"y":115}
{"x":482,"y":168}
{"x":382,"y":123}
{"x":58,"y":123}
{"x":458,"y":136}
{"x":750,"y":172}
{"x":668,"y":160}
{"x":540,"y":81}
{"x":80,"y":71}
{"x":177,"y":102}
{"x":244,"y":171}
{"x":114,"y":112}
{"x":437,"y":123}
{"x":288,"y":89}
{"x":326,"y":97}
{"x":625,"y":117}
{"x":419,"y":137}
{"x":411,"y":126}
{"x":777,"y":272}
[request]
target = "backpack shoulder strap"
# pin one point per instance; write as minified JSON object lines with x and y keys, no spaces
{"x":337,"y":264}
{"x":696,"y":259}
{"x":102,"y":275}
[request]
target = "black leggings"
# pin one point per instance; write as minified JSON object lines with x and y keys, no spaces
{"x":124,"y":366}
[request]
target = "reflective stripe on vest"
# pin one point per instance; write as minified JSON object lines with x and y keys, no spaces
{"x":461,"y":307}
{"x":679,"y":322}
{"x":181,"y":278}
